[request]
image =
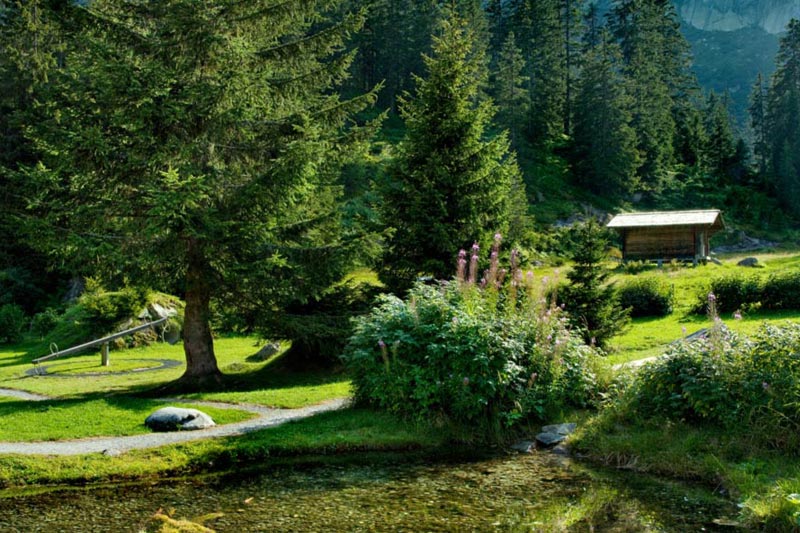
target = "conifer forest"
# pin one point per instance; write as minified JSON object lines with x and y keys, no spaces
{"x":246,"y":155}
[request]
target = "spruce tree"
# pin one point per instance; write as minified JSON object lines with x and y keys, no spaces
{"x":758,"y":125}
{"x":31,"y":44}
{"x":589,"y":299}
{"x":450,"y":181}
{"x":783,"y":108}
{"x":511,"y":95}
{"x":720,"y":146}
{"x":196,"y":145}
{"x":658,"y":65}
{"x":538,"y":29}
{"x":606,"y":157}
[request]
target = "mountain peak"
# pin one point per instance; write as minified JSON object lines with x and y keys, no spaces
{"x":730,"y":15}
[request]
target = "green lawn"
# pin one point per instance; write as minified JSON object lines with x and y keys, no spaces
{"x":25,"y":421}
{"x":651,"y":336}
{"x":90,"y":400}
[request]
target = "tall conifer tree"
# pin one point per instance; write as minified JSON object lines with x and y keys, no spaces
{"x":196,"y":144}
{"x":604,"y":141}
{"x":720,"y":146}
{"x":450,"y":181}
{"x":758,"y":125}
{"x":510,"y":92}
{"x":783,"y":109}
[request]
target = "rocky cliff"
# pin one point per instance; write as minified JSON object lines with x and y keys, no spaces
{"x":731,"y":15}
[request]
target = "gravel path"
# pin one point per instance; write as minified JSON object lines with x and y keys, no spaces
{"x":267,"y":417}
{"x":22,"y":395}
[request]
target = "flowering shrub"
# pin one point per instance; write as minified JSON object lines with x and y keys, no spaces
{"x":728,"y":380}
{"x":483,"y":352}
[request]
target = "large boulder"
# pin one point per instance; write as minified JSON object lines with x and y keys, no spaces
{"x":177,"y":419}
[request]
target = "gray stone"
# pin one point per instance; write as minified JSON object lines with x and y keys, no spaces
{"x":561,"y":449}
{"x":748,"y":262}
{"x":158,"y":311}
{"x":524,"y":446}
{"x":176,"y":418}
{"x":561,"y":429}
{"x":111,"y":452}
{"x":267,"y":351}
{"x":549,"y":439}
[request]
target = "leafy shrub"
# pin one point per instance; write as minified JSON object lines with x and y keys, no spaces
{"x":781,"y":291}
{"x":12,"y":323}
{"x":479,"y":356}
{"x":44,"y":322}
{"x":648,"y":296}
{"x":105,"y":309}
{"x":97,"y":313}
{"x":730,"y":381}
{"x":735,"y":292}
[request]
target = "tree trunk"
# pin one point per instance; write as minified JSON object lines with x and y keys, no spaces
{"x":198,"y":344}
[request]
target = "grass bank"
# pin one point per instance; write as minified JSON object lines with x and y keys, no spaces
{"x":763,"y":481}
{"x":327,"y":435}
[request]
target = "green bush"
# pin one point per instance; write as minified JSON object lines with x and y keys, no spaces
{"x":647,"y":296}
{"x":781,"y":291}
{"x":12,"y":323}
{"x":105,"y":309}
{"x":44,"y":322}
{"x":733,"y":293}
{"x":751,"y":384}
{"x":481,"y":359}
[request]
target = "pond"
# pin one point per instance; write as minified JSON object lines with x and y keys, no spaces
{"x":531,"y":492}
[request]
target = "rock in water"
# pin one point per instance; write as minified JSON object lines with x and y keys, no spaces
{"x":554,"y":434}
{"x":176,"y":418}
{"x":561,"y":429}
{"x":523,"y":446}
{"x":549,"y":439}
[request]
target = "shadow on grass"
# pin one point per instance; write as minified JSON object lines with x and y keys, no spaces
{"x":282,"y":372}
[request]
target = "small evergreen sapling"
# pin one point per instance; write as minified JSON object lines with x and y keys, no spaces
{"x":591,"y":302}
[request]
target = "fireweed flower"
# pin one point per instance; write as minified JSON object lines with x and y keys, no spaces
{"x":498,"y":237}
{"x":737,"y":315}
{"x":381,"y":344}
{"x":711,"y":297}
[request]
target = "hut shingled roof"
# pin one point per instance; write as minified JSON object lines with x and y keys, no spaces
{"x":707,"y":217}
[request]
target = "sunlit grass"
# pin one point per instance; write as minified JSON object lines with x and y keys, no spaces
{"x":648,"y":337}
{"x":25,"y":421}
{"x":327,"y":434}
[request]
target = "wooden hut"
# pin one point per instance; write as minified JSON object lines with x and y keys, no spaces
{"x":667,"y":235}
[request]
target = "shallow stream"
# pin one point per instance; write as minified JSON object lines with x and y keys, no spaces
{"x":532,"y":492}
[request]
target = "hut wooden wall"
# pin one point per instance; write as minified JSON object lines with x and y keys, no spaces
{"x":659,"y":243}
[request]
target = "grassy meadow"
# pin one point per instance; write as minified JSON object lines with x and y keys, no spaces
{"x":90,"y":400}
